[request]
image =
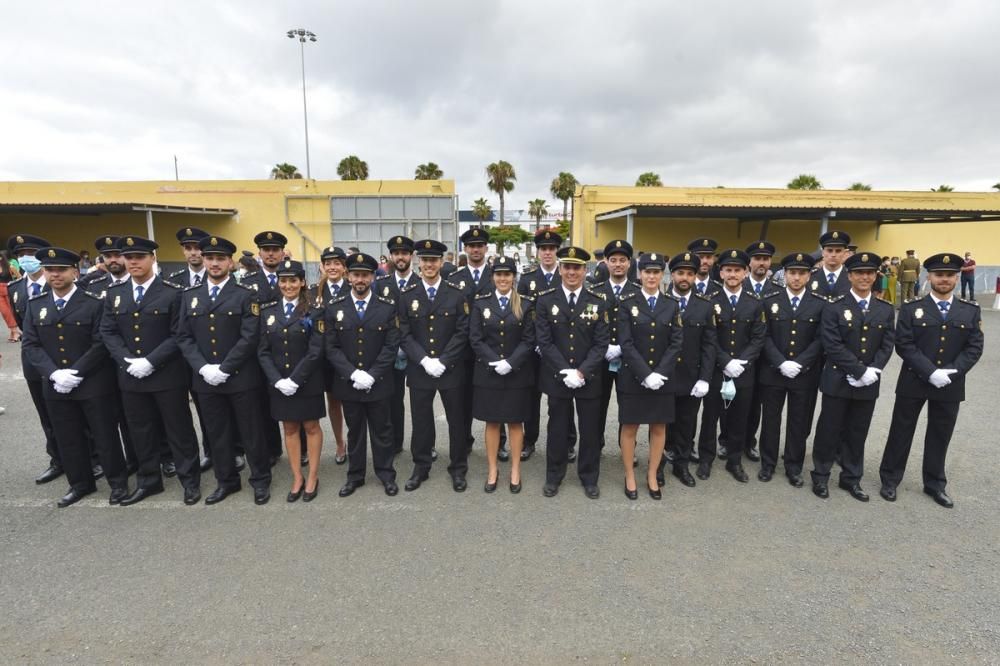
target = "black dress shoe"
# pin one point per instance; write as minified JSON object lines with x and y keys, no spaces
{"x":240,"y":462}
{"x":414,"y":482}
{"x":888,"y":493}
{"x":550,"y":489}
{"x":738,"y":473}
{"x":683,"y":474}
{"x":340,"y":460}
{"x":310,"y":496}
{"x":261,"y":496}
{"x":192,"y":496}
{"x":73,"y":496}
{"x":118,"y":495}
{"x":169,"y":469}
{"x":297,"y":495}
{"x":350,"y":487}
{"x":503,"y":455}
{"x":753,"y":454}
{"x":458,"y":483}
{"x":140,"y":494}
{"x":220,"y":494}
{"x":631,"y":494}
{"x":796,"y":480}
{"x":704,"y":470}
{"x":515,"y":488}
{"x":855,"y":490}
{"x":660,"y":479}
{"x":205,"y":463}
{"x":97,"y":471}
{"x":765,"y":474}
{"x":940,"y":497}
{"x":434,"y":454}
{"x":571,"y":456}
{"x":592,"y":492}
{"x":527,"y":452}
{"x":391,"y":489}
{"x":821,"y":490}
{"x":655,"y":494}
{"x":51,"y":473}
{"x":723,"y":452}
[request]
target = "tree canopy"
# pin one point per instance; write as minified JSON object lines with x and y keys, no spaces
{"x":285,"y":171}
{"x":428,"y":171}
{"x":649,"y":179}
{"x":805,"y":181}
{"x":352,"y":167}
{"x":500,"y":178}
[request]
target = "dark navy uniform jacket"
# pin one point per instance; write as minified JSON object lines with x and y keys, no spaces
{"x":17,"y":294}
{"x":496,"y":334}
{"x":651,"y":340}
{"x":387,"y":286}
{"x":464,"y":279}
{"x":818,"y":284}
{"x":792,"y":335}
{"x":292,"y":348}
{"x":261,"y":285}
{"x":368,"y":344}
{"x":575,"y":337}
{"x":438,"y":329}
{"x":740,"y":333}
{"x":608,"y":289}
{"x":767,"y":288}
{"x":533,"y":282}
{"x":696,"y":358}
{"x":853,"y":342}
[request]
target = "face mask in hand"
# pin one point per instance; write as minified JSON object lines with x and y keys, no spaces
{"x":728,"y":390}
{"x":29,"y":264}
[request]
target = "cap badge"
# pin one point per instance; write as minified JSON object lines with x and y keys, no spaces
{"x":188,"y":232}
{"x":548,"y":235}
{"x":288,"y":264}
{"x":358,"y":258}
{"x":687,"y":257}
{"x":946,"y":260}
{"x":704,"y":242}
{"x":864,"y":257}
{"x":618,"y":243}
{"x":52,"y":254}
{"x":798,"y":257}
{"x":572,"y":252}
{"x":129,"y":241}
{"x":760,"y":246}
{"x":107,"y":241}
{"x":836,"y":234}
{"x":20,"y":239}
{"x":427,"y":245}
{"x":214,"y":241}
{"x":652,"y":257}
{"x":475,"y":232}
{"x":270,"y":236}
{"x":733,"y":254}
{"x":399,"y":240}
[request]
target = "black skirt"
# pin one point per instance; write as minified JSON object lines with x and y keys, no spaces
{"x":644,"y":408}
{"x":493,"y":405}
{"x":297,"y":408}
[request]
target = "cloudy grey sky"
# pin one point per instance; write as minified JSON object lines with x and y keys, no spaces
{"x":899,"y":94}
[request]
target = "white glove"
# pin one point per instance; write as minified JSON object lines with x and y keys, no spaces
{"x":654,"y":382}
{"x":286,"y":386}
{"x":432,"y":366}
{"x":62,"y":388}
{"x":572,"y":379}
{"x":870,"y":376}
{"x":734,"y":368}
{"x":65,"y":379}
{"x":700,"y":389}
{"x":614,"y":351}
{"x":212,"y":375}
{"x":139,"y":368}
{"x":502,"y":367}
{"x":856,"y":383}
{"x":790,"y":369}
{"x":362,"y":379}
{"x":941,"y":378}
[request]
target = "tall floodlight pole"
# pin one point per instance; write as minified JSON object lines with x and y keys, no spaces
{"x":303,"y":35}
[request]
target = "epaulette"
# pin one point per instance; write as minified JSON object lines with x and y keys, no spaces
{"x":627,"y":296}
{"x":173,"y":284}
{"x":313,"y":287}
{"x":771,"y":295}
{"x":383,"y":277}
{"x":479,"y":296}
{"x":672,"y":297}
{"x":530,"y":299}
{"x":590,"y":290}
{"x":879,"y":298}
{"x":834,"y":299}
{"x":250,"y":274}
{"x":968,"y":301}
{"x":386,"y":300}
{"x":39,"y":295}
{"x":119,"y":285}
{"x":452,"y":284}
{"x":707,"y":299}
{"x":543,"y":293}
{"x":12,"y":282}
{"x":96,"y":297}
{"x":270,"y":304}
{"x":248,"y":287}
{"x":197,"y":286}
{"x":409,"y":287}
{"x":598,"y":285}
{"x":177,"y":273}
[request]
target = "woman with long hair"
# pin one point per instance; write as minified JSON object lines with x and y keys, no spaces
{"x":8,"y":274}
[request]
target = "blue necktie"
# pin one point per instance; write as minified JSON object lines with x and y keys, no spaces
{"x":138,"y":294}
{"x":795,"y":302}
{"x":756,"y":288}
{"x":289,"y":308}
{"x":548,"y":278}
{"x":732,"y":300}
{"x":272,"y":280}
{"x":431,"y":292}
{"x":361,"y":309}
{"x":36,"y":289}
{"x":572,"y":299}
{"x":402,"y":283}
{"x":475,"y":275}
{"x":334,"y":289}
{"x":618,"y":290}
{"x":684,"y":302}
{"x":831,"y":279}
{"x":213,"y":292}
{"x":863,"y":304}
{"x":60,"y":303}
{"x":503,"y":302}
{"x":196,"y":281}
{"x":700,"y":287}
{"x":944,"y":305}
{"x":652,"y":302}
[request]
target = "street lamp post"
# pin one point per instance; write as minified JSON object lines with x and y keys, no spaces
{"x":303,"y":35}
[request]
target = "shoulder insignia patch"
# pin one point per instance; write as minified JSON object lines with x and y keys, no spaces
{"x":409,"y":287}
{"x":386,"y":300}
{"x":271,"y":304}
{"x":321,"y":325}
{"x":547,"y":291}
{"x":479,"y":296}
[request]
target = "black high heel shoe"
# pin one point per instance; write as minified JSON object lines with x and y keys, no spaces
{"x":655,"y":494}
{"x":294,"y":496}
{"x":310,"y":496}
{"x":491,"y":487}
{"x":631,"y":494}
{"x":515,"y":488}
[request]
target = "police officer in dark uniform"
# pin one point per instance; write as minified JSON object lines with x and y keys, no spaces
{"x":940,"y":338}
{"x":139,"y":327}
{"x":705,"y":283}
{"x":389,"y":286}
{"x":790,"y":368}
{"x":831,"y":279}
{"x":858,"y":333}
{"x":740,"y":332}
{"x":334,"y":263}
{"x":218,"y":335}
{"x":434,"y":323}
{"x":97,"y":282}
{"x":32,"y":283}
{"x":571,"y":325}
{"x":62,"y":341}
{"x":362,"y":338}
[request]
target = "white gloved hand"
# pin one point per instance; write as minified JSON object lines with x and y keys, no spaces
{"x":362,"y":378}
{"x":614,"y":351}
{"x":700,"y":389}
{"x":66,"y":378}
{"x":870,"y":376}
{"x":432,"y":366}
{"x":941,"y":378}
{"x":856,"y":383}
{"x":212,"y":375}
{"x":734,"y":368}
{"x":654,"y":381}
{"x":62,"y":388}
{"x":286,"y":386}
{"x":139,"y":368}
{"x":790,"y":369}
{"x":572,"y":379}
{"x":502,"y":367}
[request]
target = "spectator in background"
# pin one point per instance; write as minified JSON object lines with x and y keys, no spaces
{"x":878,"y":287}
{"x":85,"y":263}
{"x":383,"y":266}
{"x":969,"y":276}
{"x":7,"y":274}
{"x":248,"y":264}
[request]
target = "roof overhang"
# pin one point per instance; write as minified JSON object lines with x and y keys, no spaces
{"x":91,"y":208}
{"x":751,"y":213}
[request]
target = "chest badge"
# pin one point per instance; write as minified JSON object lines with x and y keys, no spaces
{"x":415,"y":305}
{"x":815,"y":285}
{"x":42,"y":313}
{"x":486,"y":313}
{"x":385,"y":291}
{"x":635,"y":311}
{"x":531,"y":285}
{"x":848,"y":315}
{"x":118,"y":301}
{"x":918,"y":313}
{"x":461,"y":284}
{"x":555,"y":309}
{"x":718,"y":309}
{"x":270,"y":320}
{"x":15,"y":297}
{"x":340,"y":315}
{"x":774,"y":308}
{"x":194,"y":302}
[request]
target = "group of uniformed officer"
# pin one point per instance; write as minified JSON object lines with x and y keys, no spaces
{"x":121,"y":352}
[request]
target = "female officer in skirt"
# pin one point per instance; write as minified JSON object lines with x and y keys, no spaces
{"x":503,"y":341}
{"x":650,"y":334}
{"x":291,"y":356}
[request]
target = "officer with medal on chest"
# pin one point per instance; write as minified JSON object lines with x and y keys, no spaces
{"x":858,"y":333}
{"x":434,"y":323}
{"x":389,"y":286}
{"x":334,"y":264}
{"x":139,"y":327}
{"x":62,"y":341}
{"x":218,"y":335}
{"x":830,"y":279}
{"x":362,"y":338}
{"x":571,"y":330}
{"x":740,"y":332}
{"x":790,"y":368}
{"x":940,"y":338}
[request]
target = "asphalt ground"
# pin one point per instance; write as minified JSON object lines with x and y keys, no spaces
{"x":721,"y":573}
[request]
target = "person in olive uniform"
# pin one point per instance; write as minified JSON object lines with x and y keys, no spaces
{"x":790,"y":368}
{"x":940,"y":339}
{"x":362,"y":338}
{"x":334,"y":264}
{"x":434,"y":323}
{"x":503,"y":342}
{"x":909,"y":275}
{"x":291,"y":356}
{"x":830,"y":279}
{"x":139,"y":327}
{"x":571,"y":325}
{"x":651,"y":336}
{"x":62,"y":341}
{"x":858,"y":333}
{"x":689,"y":382}
{"x":218,"y":335}
{"x":740,"y":332}
{"x":32,"y":283}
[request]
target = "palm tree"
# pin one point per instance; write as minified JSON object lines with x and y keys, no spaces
{"x":352,"y":167}
{"x":943,"y":188}
{"x":482,"y":210}
{"x":564,"y":187}
{"x":805,"y":181}
{"x":285,"y":171}
{"x":429,"y":171}
{"x":537,"y":209}
{"x":860,"y":187}
{"x":997,"y":186}
{"x":500,"y":178}
{"x":649,"y":179}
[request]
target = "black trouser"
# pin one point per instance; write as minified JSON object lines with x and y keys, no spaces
{"x":396,"y":409}
{"x":941,"y":418}
{"x":798,"y":423}
{"x":38,"y":399}
{"x":124,"y":434}
{"x":271,"y":430}
{"x":467,"y":405}
{"x":754,"y":418}
{"x":206,"y":447}
{"x":607,"y":388}
{"x":733,"y":418}
{"x":532,"y":427}
{"x":850,"y":419}
{"x":150,"y":416}
{"x":363,"y":419}
{"x":680,"y":435}
{"x":70,"y":420}
{"x":223,"y":430}
{"x":969,"y":281}
{"x":422,"y":439}
{"x":588,"y":462}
